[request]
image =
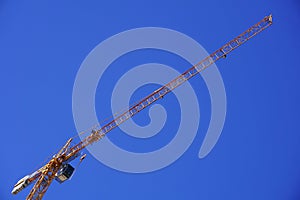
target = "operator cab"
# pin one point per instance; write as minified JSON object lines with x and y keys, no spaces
{"x":64,"y":173}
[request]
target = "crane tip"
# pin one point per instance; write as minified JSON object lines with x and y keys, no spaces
{"x":270,"y":18}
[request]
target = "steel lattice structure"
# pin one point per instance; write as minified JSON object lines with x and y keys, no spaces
{"x":45,"y":175}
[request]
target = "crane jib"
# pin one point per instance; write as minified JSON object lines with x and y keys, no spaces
{"x":47,"y":173}
{"x":161,"y":92}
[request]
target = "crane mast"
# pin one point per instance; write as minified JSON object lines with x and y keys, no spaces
{"x":45,"y":175}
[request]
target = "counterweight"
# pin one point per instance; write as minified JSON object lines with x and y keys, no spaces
{"x":45,"y":175}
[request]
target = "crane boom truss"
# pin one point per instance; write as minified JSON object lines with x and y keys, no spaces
{"x":161,"y":92}
{"x":50,"y":169}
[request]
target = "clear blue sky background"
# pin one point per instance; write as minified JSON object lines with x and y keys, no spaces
{"x":42,"y":44}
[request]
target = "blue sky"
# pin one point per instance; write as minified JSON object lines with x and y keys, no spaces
{"x":43,"y":44}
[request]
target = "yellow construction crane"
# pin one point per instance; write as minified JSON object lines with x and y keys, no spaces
{"x":59,"y":168}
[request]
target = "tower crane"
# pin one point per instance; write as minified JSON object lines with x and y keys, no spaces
{"x":59,"y":167}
